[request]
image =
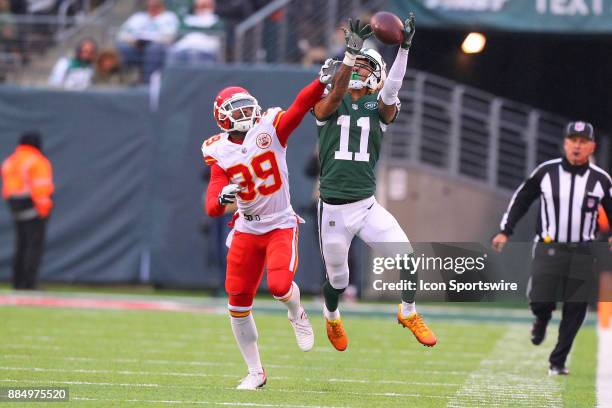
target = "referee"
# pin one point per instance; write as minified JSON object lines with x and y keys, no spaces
{"x":570,"y":190}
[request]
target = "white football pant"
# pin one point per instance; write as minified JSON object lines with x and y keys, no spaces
{"x":367,"y":219}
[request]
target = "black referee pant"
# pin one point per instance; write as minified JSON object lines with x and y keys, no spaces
{"x":29,"y":249}
{"x":562,"y":272}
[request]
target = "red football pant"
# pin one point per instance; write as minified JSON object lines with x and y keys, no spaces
{"x":277,"y":249}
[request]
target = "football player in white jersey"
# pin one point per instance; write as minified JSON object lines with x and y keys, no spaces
{"x":248,"y":166}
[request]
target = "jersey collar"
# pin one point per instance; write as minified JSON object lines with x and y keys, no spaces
{"x":570,"y":168}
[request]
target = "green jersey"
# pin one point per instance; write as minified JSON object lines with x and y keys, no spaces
{"x":349,"y":147}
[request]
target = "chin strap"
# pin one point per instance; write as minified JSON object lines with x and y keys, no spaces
{"x":243,"y":125}
{"x":356,"y":85}
{"x":355,"y":82}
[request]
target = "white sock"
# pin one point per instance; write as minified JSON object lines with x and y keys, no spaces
{"x":245,"y":333}
{"x":335,"y":315}
{"x":292,"y":300}
{"x":408,"y":308}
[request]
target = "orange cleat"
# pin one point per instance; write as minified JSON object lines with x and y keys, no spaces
{"x":418,"y":327}
{"x":336,"y":334}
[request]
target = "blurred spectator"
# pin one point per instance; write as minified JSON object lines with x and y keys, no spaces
{"x":76,"y":73}
{"x":202,"y":16}
{"x":8,"y":30}
{"x":145,"y":36}
{"x":27,"y":186}
{"x":108,"y":68}
{"x":202,"y":42}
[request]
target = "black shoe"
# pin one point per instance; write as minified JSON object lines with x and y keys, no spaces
{"x":538,"y":330}
{"x":554,"y":370}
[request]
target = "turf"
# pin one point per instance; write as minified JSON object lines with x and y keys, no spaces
{"x":147,"y":358}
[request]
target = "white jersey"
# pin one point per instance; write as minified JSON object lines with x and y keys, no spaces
{"x":259,"y":164}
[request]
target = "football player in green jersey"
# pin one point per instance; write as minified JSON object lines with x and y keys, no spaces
{"x":351,"y":121}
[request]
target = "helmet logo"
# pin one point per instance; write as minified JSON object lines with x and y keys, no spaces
{"x":263,"y":140}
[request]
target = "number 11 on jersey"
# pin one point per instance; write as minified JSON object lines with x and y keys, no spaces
{"x":345,"y":125}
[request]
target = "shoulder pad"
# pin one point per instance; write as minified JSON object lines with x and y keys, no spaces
{"x":270,"y":115}
{"x":210,"y":149}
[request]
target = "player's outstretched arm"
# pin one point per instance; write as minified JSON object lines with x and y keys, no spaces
{"x":389,"y":93}
{"x":354,"y":37}
{"x":288,"y":121}
{"x":218,"y":180}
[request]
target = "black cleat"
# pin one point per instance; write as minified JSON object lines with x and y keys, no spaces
{"x":538,"y":330}
{"x":554,"y":370}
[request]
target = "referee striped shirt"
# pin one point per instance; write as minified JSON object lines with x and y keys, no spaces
{"x":569,"y":201}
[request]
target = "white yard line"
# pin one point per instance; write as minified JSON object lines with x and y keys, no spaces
{"x":161,"y":346}
{"x":351,"y":380}
{"x":604,"y":367}
{"x":154,"y":349}
{"x":515,"y":374}
{"x":91,"y":371}
{"x":442,"y":357}
{"x":182,"y":374}
{"x":224,"y":343}
{"x":100,"y":383}
{"x":33,"y":347}
{"x":181,"y":402}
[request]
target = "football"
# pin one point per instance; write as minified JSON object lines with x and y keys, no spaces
{"x":387,"y":27}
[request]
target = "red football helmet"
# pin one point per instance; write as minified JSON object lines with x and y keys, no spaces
{"x":231,"y":109}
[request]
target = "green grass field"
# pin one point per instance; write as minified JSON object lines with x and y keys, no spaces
{"x":121,"y":358}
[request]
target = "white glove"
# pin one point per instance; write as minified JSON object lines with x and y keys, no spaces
{"x":228,"y":194}
{"x":328,"y":70}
